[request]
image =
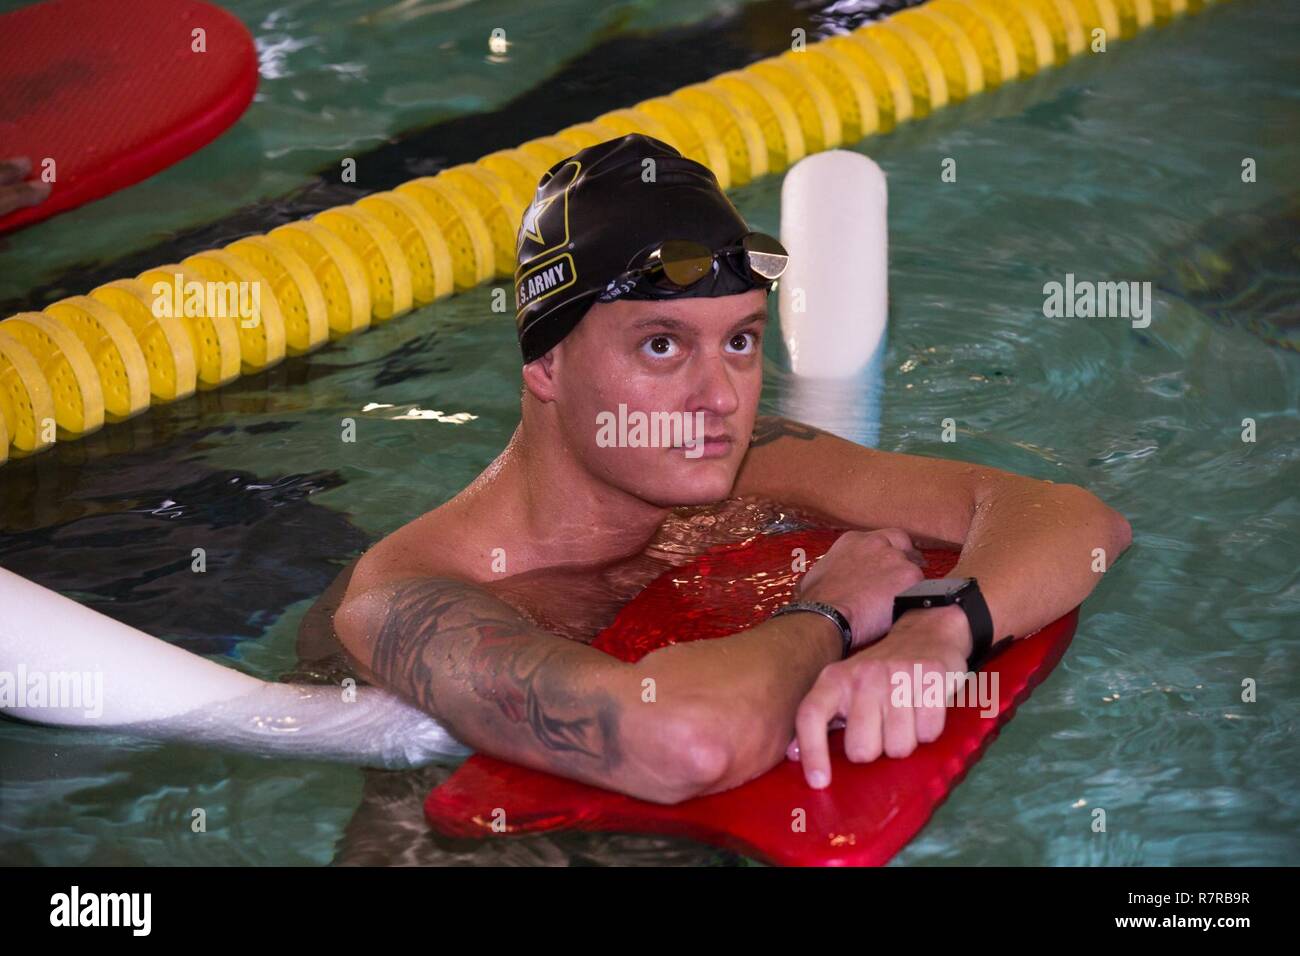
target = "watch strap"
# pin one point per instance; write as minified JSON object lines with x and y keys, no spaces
{"x":972,"y":603}
{"x":826,"y":610}
{"x":971,"y":600}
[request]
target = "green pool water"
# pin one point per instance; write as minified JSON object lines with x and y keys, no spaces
{"x":1122,"y":167}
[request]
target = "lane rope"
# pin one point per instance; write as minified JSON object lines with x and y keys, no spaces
{"x":103,"y":357}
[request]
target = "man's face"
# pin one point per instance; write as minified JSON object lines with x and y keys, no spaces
{"x":699,"y":360}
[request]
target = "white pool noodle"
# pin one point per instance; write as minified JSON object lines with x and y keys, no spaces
{"x":834,"y":296}
{"x":141,"y":685}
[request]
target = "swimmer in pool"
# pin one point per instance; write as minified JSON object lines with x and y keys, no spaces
{"x":639,"y":285}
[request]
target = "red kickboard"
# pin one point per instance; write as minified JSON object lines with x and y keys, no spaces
{"x":113,"y":91}
{"x":867,"y":814}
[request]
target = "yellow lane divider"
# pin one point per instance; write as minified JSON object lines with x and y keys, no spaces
{"x":100,"y":358}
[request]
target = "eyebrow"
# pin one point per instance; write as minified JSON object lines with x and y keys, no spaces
{"x":677,"y":325}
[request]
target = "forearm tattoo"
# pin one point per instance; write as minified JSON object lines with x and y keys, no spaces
{"x":453,"y":640}
{"x":768,"y":428}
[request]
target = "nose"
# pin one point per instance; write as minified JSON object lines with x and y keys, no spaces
{"x":714,"y":389}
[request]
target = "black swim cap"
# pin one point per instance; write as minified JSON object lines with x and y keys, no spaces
{"x":594,"y":212}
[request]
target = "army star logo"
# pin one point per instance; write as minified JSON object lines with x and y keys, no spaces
{"x":531,"y":229}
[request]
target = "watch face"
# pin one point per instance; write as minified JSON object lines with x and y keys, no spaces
{"x":936,"y":588}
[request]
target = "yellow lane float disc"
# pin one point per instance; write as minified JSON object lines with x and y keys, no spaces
{"x":421,"y":240}
{"x":473,"y":258}
{"x":1034,"y":48}
{"x":961,"y":64}
{"x":768,"y":105}
{"x":214,"y":339}
{"x":499,"y":205}
{"x":550,"y":150}
{"x":235,"y":288}
{"x":1135,"y":15}
{"x":532,"y":163}
{"x":924,"y":74}
{"x":302,"y":304}
{"x":812,"y":100}
{"x":67,"y":367}
{"x":338,"y":270}
{"x":709,"y":151}
{"x":118,"y":358}
{"x":26,"y":404}
{"x":164,"y":339}
{"x":1098,"y":15}
{"x":855,"y":103}
{"x":737,"y":131}
{"x":868,"y":108}
{"x":1063,"y":24}
{"x":581,"y":135}
{"x":1035,"y":17}
{"x":885,"y":75}
{"x":388,"y":275}
{"x":633,"y":120}
{"x":685,"y":137}
{"x":1166,"y":10}
{"x":991,"y":39}
{"x":516,"y":169}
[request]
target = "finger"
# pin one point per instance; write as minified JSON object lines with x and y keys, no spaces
{"x":929,"y":724}
{"x":897,"y":538}
{"x":900,"y":725}
{"x":862,"y":734}
{"x":792,"y":748}
{"x":811,"y":725}
{"x":912,"y":572}
{"x":14,"y":170}
{"x":22,"y":195}
{"x":930,"y":717}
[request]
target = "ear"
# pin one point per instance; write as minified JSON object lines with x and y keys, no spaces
{"x":539,"y":377}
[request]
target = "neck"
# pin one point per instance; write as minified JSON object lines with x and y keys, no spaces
{"x":561,"y":505}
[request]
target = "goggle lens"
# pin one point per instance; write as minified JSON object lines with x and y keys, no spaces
{"x":767,"y":257}
{"x":685,"y":263}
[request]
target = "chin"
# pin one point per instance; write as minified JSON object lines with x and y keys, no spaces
{"x":704,"y":483}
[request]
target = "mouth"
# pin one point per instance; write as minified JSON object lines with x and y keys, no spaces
{"x":713,"y":446}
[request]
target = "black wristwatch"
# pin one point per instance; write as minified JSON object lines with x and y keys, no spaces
{"x":965,"y":593}
{"x":826,"y":610}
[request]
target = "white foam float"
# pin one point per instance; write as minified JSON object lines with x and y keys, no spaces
{"x":64,"y":664}
{"x":833,"y":299}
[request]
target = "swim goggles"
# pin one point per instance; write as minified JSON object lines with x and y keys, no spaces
{"x":678,"y":264}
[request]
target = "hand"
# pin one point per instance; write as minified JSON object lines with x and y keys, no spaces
{"x":857,"y":694}
{"x":860,"y":575}
{"x":15,"y":193}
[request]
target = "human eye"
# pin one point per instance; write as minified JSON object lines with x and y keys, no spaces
{"x":660,"y":346}
{"x":744,"y":343}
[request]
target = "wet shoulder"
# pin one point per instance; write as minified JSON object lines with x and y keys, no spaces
{"x":439,"y":543}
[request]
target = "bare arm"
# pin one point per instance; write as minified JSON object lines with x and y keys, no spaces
{"x":316,"y":637}
{"x":1030,"y":543}
{"x":720,"y":712}
{"x":1033,"y":545}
